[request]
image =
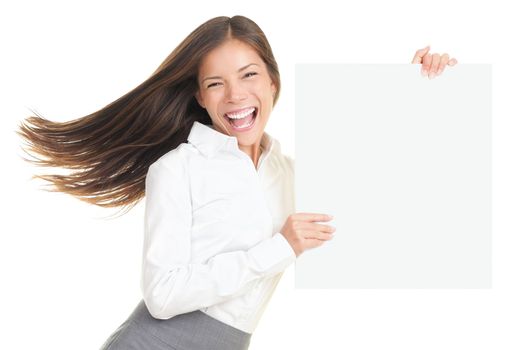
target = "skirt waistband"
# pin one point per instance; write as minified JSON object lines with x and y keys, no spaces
{"x":193,"y":330}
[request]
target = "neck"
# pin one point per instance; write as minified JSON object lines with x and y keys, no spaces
{"x":253,"y":151}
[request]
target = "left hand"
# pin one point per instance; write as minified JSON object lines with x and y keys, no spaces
{"x":432,"y":64}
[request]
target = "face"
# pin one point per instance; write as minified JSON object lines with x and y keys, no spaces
{"x":237,"y":91}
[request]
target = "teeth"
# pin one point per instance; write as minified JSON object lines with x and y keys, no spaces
{"x":241,"y":115}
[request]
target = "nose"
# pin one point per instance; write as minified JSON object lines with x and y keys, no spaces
{"x":235,"y":92}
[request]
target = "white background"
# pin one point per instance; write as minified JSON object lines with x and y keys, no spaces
{"x":69,"y":278}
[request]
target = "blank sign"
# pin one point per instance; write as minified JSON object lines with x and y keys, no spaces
{"x":404,"y":165}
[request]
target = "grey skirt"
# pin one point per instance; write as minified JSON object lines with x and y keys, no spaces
{"x":190,"y":331}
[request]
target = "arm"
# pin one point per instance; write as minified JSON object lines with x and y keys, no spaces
{"x":171,"y":284}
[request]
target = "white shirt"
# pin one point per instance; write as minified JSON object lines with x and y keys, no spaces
{"x":212,"y":222}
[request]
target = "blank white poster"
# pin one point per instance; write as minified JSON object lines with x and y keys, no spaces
{"x":403,"y":163}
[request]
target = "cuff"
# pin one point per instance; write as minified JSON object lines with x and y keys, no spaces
{"x":273,"y":255}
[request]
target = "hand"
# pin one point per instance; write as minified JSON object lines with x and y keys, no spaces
{"x":302,"y":231}
{"x":432,"y":65}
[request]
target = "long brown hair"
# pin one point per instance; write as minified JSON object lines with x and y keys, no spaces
{"x":111,"y":149}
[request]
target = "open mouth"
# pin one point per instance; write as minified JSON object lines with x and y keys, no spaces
{"x":243,"y":119}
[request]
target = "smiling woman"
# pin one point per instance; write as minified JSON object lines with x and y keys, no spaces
{"x":220,"y":227}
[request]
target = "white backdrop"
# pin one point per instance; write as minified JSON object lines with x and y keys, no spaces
{"x":69,"y":278}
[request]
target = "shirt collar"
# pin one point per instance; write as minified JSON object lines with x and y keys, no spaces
{"x":210,"y":141}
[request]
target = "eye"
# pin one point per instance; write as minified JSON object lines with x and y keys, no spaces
{"x":213,"y":84}
{"x":250,"y":74}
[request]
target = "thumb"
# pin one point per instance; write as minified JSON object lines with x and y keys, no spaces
{"x":418,"y":57}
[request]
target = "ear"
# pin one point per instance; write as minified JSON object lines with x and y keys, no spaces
{"x":199,"y":99}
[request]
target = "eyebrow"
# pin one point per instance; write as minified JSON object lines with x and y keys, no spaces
{"x":238,"y":71}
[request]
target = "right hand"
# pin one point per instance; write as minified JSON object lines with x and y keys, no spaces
{"x":302,"y":231}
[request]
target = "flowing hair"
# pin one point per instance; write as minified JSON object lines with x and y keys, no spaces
{"x":109,"y":151}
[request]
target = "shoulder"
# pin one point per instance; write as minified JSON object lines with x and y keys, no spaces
{"x":170,"y":171}
{"x":171,"y":166}
{"x":284,"y":162}
{"x":176,"y":158}
{"x":289,"y":162}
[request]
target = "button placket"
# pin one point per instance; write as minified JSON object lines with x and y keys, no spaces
{"x":260,"y":191}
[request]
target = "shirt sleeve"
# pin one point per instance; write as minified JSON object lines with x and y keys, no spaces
{"x":171,"y":284}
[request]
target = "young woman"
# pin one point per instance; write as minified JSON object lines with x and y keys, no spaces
{"x":220,"y":223}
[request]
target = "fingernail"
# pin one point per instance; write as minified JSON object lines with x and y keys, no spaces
{"x":431,"y":75}
{"x":423,"y":72}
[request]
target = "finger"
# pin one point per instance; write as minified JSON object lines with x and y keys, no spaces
{"x":314,"y":227}
{"x":325,"y":236}
{"x":312,"y":217}
{"x":442,"y":63}
{"x":436,"y":58}
{"x":320,"y":228}
{"x":425,"y":67}
{"x":312,"y":243}
{"x":418,"y":57}
{"x":312,"y":234}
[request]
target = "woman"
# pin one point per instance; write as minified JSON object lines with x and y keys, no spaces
{"x":220,"y":225}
